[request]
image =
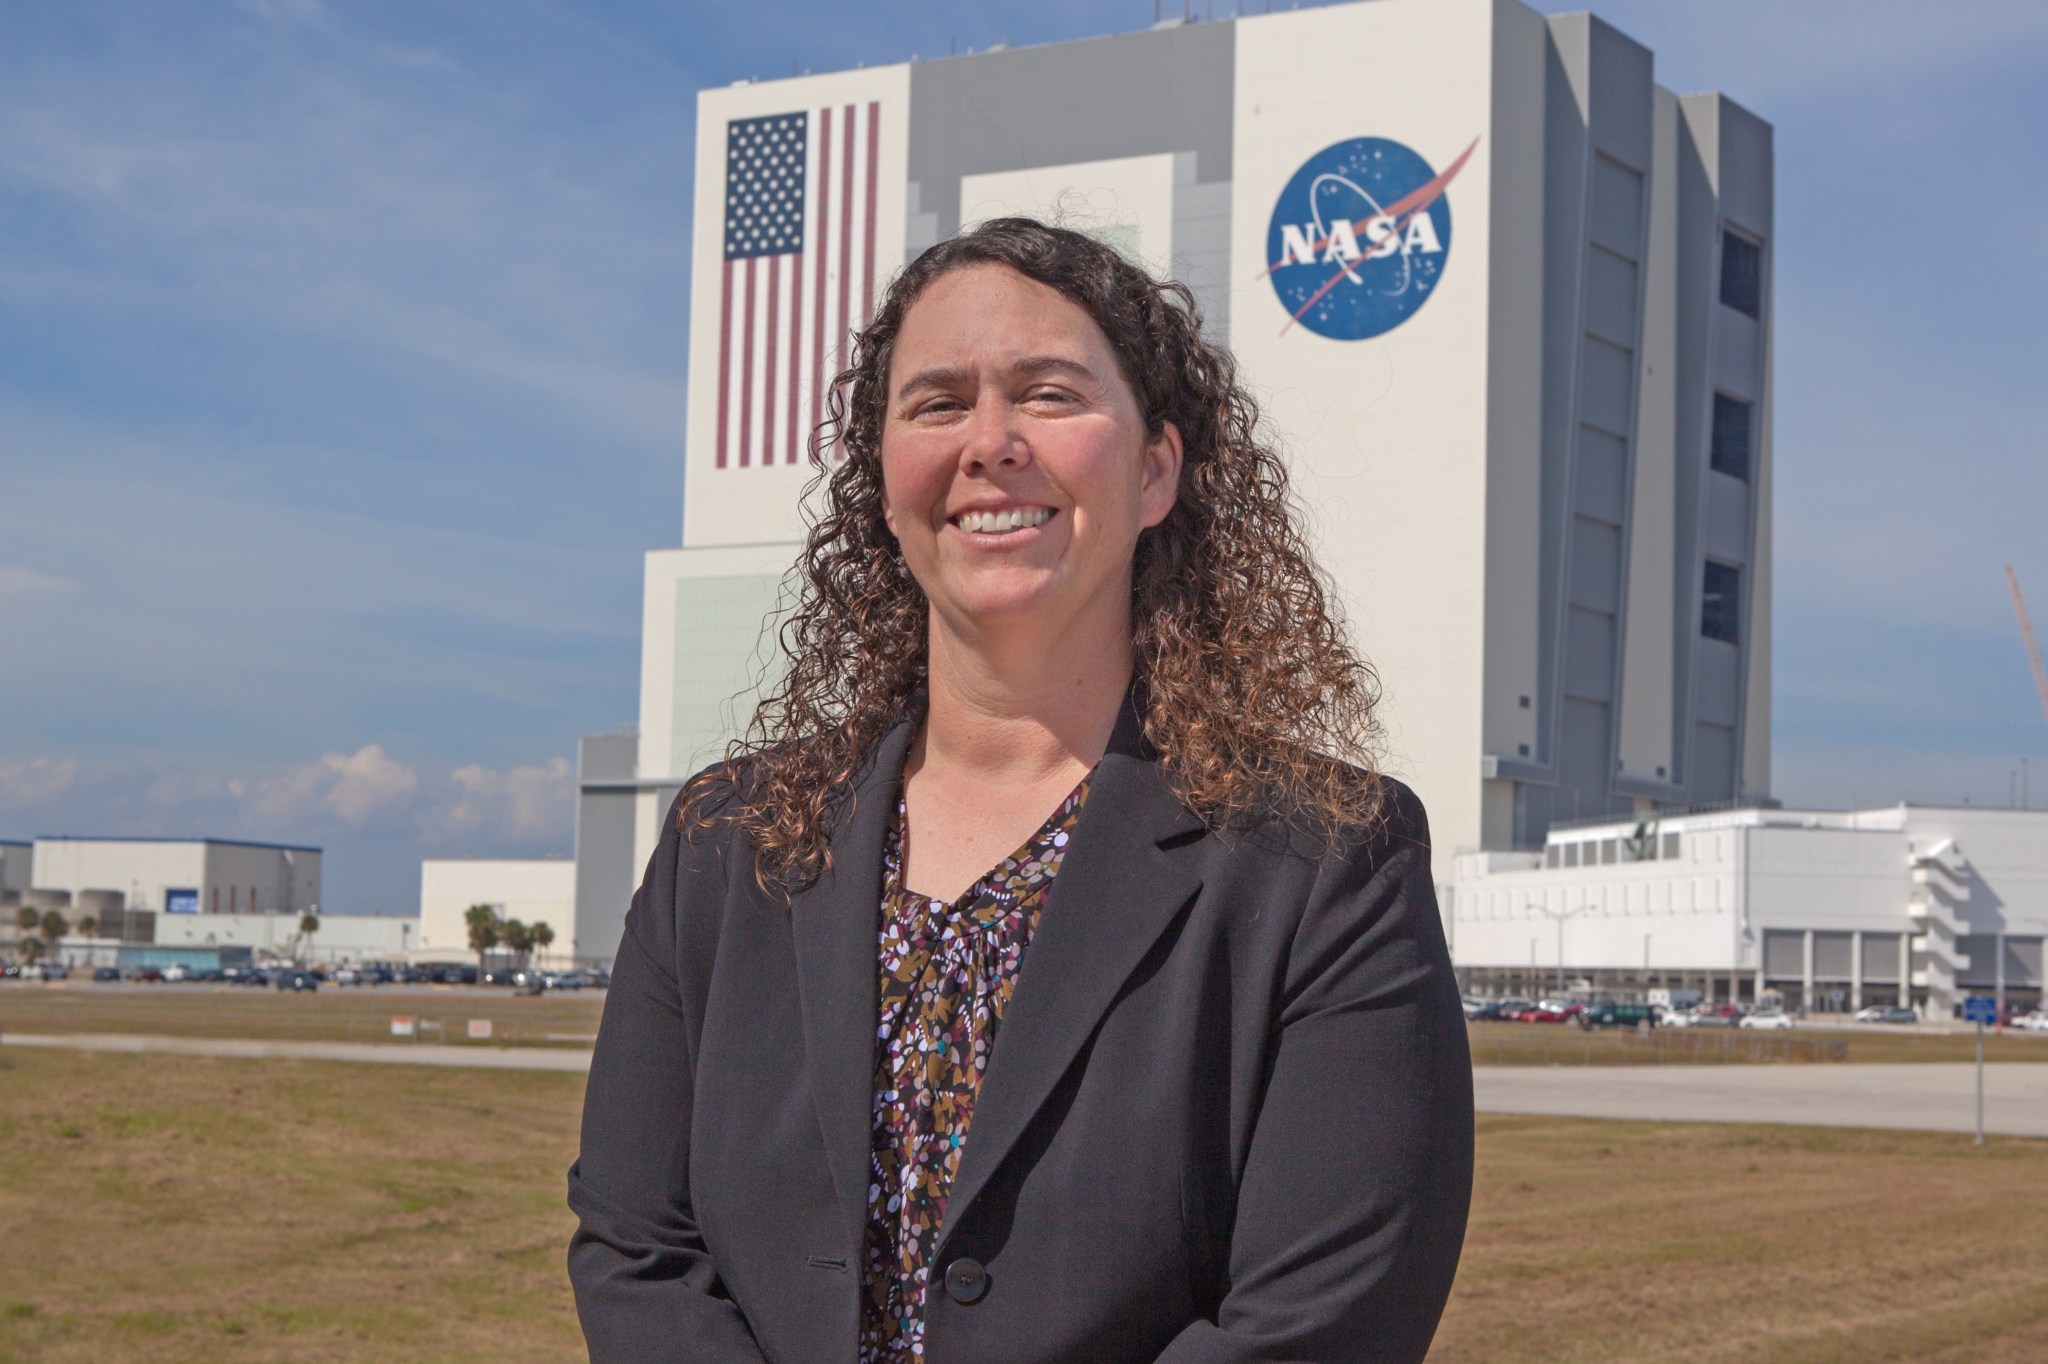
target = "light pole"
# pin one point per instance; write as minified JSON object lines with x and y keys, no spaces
{"x":1559,"y":916}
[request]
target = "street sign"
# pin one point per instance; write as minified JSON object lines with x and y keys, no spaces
{"x":1980,"y":1009}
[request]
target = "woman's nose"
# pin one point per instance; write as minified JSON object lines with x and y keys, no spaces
{"x":993,"y":439}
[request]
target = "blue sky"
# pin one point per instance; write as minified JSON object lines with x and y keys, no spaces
{"x":342,"y":350}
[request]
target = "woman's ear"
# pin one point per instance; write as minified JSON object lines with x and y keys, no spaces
{"x":1163,"y":456}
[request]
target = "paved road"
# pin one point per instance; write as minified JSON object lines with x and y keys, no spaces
{"x":503,"y":1058}
{"x":1933,"y":1097}
{"x":1929,"y":1097}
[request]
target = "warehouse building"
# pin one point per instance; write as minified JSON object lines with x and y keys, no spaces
{"x":1506,"y":300}
{"x":1829,"y":910}
{"x":531,"y":890}
{"x":179,"y":875}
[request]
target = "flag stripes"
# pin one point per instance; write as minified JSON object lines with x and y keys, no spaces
{"x":798,"y":275}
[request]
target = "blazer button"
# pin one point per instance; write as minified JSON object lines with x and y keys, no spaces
{"x":966,"y":1280}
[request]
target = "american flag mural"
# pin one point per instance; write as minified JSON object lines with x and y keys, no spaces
{"x":799,"y":272}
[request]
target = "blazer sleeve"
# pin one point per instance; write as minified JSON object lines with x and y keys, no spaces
{"x":646,"y":1287}
{"x":1352,"y":1203}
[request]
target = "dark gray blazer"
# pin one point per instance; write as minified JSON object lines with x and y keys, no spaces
{"x":1228,"y":1116}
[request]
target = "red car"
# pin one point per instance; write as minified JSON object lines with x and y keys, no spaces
{"x":1539,"y":1014}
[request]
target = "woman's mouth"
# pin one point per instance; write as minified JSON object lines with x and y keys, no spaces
{"x":1004,"y":521}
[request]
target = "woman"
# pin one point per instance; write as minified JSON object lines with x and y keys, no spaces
{"x":1036,"y":983}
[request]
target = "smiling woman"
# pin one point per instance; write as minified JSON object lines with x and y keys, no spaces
{"x":1049,"y":975}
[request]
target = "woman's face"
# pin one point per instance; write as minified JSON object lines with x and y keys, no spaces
{"x":1016,"y":472}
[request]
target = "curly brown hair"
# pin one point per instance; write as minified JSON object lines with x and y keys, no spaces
{"x":1248,"y":681}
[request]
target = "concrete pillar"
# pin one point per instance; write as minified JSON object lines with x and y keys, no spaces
{"x":1855,"y":970}
{"x":1806,"y":974}
{"x":1998,"y":947}
{"x":1905,"y":970}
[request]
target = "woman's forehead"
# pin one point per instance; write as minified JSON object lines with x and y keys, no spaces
{"x":988,"y":319}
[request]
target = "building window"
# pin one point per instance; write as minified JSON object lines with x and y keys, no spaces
{"x":1729,"y":449}
{"x":1670,"y":845}
{"x":1742,"y":274}
{"x":1721,"y":602}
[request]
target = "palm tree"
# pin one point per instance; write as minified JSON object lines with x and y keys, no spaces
{"x":309,"y":924}
{"x":53,"y":928}
{"x":485,"y":930}
{"x":519,"y":938}
{"x":543,"y":938}
{"x":89,"y":927}
{"x":27,"y":919}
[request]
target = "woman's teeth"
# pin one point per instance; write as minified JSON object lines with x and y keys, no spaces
{"x":996,"y":522}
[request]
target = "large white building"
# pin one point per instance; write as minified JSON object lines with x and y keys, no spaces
{"x":531,"y":890}
{"x":1834,"y":910}
{"x":173,"y":876}
{"x":1507,"y":303}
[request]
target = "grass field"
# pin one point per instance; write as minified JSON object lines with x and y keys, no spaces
{"x":364,"y":1015}
{"x":188,"y":1209}
{"x":330,"y":1015}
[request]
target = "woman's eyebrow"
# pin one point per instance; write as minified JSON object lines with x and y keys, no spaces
{"x":1030,"y":367}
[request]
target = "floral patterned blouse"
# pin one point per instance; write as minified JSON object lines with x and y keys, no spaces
{"x":947,"y":973}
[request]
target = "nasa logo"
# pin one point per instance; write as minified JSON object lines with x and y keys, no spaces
{"x":1360,"y":237}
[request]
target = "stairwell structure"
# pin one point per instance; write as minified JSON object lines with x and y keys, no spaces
{"x":1937,"y":908}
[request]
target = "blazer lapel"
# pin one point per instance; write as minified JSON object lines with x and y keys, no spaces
{"x":837,"y":922}
{"x":1116,"y":892}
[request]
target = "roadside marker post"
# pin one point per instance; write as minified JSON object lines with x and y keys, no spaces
{"x":1980,"y":1009}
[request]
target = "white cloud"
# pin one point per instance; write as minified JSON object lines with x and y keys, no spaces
{"x":34,"y":780}
{"x":351,"y":785}
{"x":18,"y":584}
{"x":521,"y":803}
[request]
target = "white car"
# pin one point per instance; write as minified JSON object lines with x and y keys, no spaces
{"x":2037,"y":1021}
{"x":1766,"y":1018}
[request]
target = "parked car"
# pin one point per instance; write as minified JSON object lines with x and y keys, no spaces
{"x":1771,"y":1019}
{"x":1887,"y":1013}
{"x":10,"y":970}
{"x":2037,"y":1021}
{"x":565,"y":980}
{"x":177,"y":972}
{"x":1542,"y":1013}
{"x":1608,"y":1014}
{"x":297,"y":981}
{"x":1718,"y":1015}
{"x":146,"y":975}
{"x":106,"y":973}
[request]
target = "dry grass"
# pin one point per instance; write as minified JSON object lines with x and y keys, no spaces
{"x":364,"y":1015}
{"x":186,"y":1208}
{"x":1594,"y":1241}
{"x":332,"y":1014}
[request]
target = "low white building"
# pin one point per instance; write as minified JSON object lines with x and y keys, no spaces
{"x":340,"y":937}
{"x":1835,"y":910}
{"x":182,"y":875}
{"x":533,"y":891}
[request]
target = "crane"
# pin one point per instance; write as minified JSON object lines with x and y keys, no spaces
{"x":2019,"y":608}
